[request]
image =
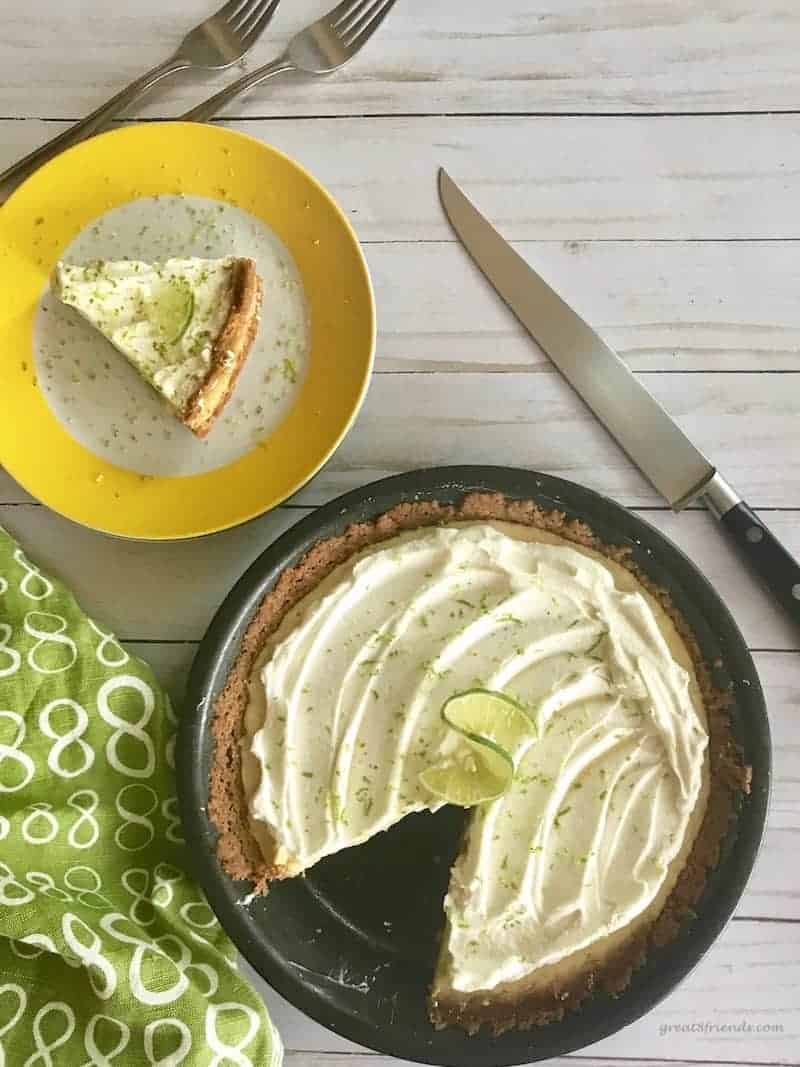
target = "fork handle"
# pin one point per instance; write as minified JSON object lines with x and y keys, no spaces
{"x":79,"y":131}
{"x":215,"y":103}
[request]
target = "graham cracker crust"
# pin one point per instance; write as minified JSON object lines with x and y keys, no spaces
{"x":513,"y":1007}
{"x":230,"y":350}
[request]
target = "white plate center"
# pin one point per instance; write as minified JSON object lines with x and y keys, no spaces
{"x":100,"y":398}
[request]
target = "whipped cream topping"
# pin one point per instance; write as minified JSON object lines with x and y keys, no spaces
{"x":120,"y":298}
{"x":354,"y":681}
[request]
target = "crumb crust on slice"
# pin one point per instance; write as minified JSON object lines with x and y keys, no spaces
{"x":229,"y":351}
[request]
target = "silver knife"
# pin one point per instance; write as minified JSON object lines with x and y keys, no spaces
{"x":658,"y":447}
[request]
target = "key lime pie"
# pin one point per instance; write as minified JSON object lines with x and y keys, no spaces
{"x":185,"y":325}
{"x":500,"y":659}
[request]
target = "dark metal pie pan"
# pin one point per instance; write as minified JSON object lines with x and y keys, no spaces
{"x":353,"y":944}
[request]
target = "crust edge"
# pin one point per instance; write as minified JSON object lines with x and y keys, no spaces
{"x":229,"y":352}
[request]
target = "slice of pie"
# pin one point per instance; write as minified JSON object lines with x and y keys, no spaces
{"x":186,"y":325}
{"x":333,"y":714}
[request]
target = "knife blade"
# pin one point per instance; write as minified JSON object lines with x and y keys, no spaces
{"x":655,"y":443}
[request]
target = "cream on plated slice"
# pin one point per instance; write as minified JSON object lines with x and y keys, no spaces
{"x":581,"y":849}
{"x":186,"y":325}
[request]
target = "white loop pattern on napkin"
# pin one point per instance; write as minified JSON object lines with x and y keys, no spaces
{"x":135,"y":731}
{"x":10,"y":659}
{"x":141,"y":910}
{"x":22,"y":1001}
{"x":40,"y":826}
{"x":41,"y":1057}
{"x":55,"y":636}
{"x":175,"y":1058}
{"x":102,"y":976}
{"x":231,"y":961}
{"x":88,"y":895}
{"x":108,"y":641}
{"x":73,"y":736}
{"x":35,"y":946}
{"x":165,"y":876}
{"x":142,"y":947}
{"x":85,"y":802}
{"x":173,"y":832}
{"x":12,"y":893}
{"x":209,"y":919}
{"x":32,"y":576}
{"x":183,"y":961}
{"x":225,"y":1053}
{"x":98,"y":1058}
{"x":13,"y":754}
{"x":43,"y":882}
{"x":127,"y":836}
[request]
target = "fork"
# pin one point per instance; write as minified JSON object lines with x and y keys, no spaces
{"x":218,"y":42}
{"x":320,"y":48}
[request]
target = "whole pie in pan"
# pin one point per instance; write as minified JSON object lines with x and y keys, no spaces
{"x":622,"y":789}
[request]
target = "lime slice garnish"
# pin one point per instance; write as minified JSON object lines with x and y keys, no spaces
{"x":492,"y":725}
{"x":474,"y":777}
{"x":487,"y":715}
{"x":173,"y":310}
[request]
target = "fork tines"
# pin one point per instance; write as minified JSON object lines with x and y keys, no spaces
{"x":356,"y":20}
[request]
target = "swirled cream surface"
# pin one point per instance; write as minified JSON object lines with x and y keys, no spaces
{"x":344,"y":714}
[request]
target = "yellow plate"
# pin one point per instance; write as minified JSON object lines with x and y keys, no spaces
{"x":57,"y":203}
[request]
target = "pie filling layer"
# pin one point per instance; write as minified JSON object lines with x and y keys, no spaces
{"x":609,"y":788}
{"x":163,"y":317}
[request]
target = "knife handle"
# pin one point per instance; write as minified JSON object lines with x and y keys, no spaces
{"x":776,"y":567}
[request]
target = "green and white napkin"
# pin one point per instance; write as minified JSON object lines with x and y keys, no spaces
{"x":109,"y":954}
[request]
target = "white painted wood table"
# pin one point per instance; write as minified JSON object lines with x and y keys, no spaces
{"x":645,"y":157}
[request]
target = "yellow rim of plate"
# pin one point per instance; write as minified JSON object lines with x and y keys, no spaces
{"x":46,"y":213}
